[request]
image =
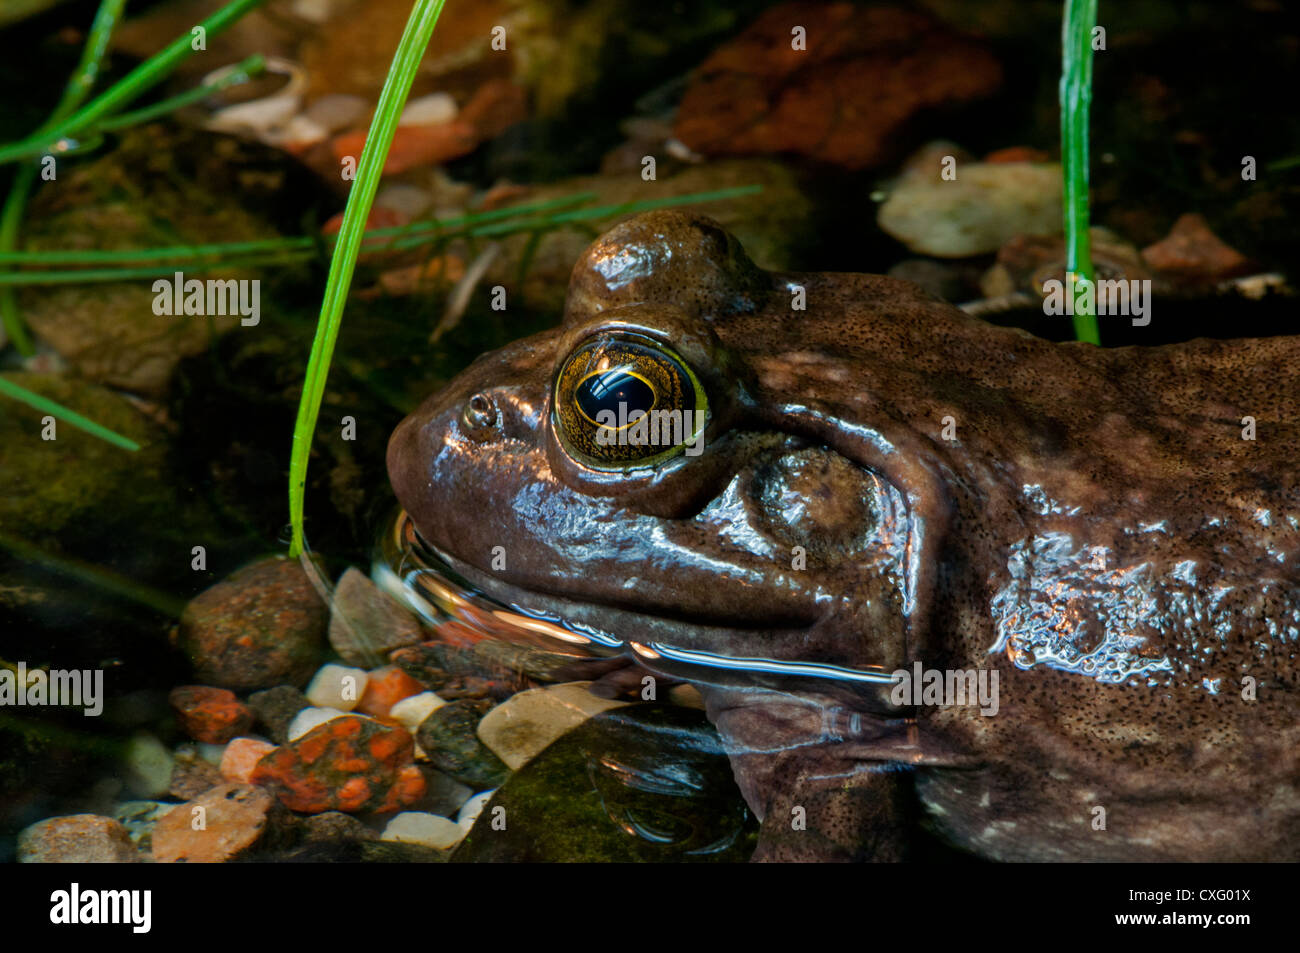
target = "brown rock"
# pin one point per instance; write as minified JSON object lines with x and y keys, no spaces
{"x":495,"y":106}
{"x":192,"y":774}
{"x":415,"y":146}
{"x":275,"y":709}
{"x":1194,"y":253}
{"x":234,"y":818}
{"x":262,"y":626}
{"x":366,"y":624}
{"x":335,"y":826}
{"x":846,"y":99}
{"x":77,"y":839}
{"x":210,"y":715}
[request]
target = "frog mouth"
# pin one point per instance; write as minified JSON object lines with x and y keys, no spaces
{"x":425,"y":579}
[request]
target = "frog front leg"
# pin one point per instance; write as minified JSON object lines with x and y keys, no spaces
{"x":814,"y":775}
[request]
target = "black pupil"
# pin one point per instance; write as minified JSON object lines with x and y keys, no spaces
{"x":608,"y":389}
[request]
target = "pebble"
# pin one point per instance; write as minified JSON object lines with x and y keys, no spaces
{"x":148,"y":768}
{"x":1193,"y":252}
{"x":192,"y":774}
{"x":429,"y":110}
{"x":77,"y":839}
{"x":210,"y":715}
{"x":139,"y":818}
{"x":444,"y":795}
{"x":429,"y":830}
{"x":413,"y":710}
{"x":336,"y":111}
{"x":521,"y":726}
{"x":232,"y":820}
{"x":410,"y":202}
{"x":263,"y":626}
{"x":348,"y":764}
{"x":275,"y":709}
{"x":241,"y":758}
{"x":334,"y":826}
{"x":472,"y":808}
{"x":977,"y":212}
{"x":337,"y":686}
{"x":415,"y":146}
{"x":365,"y":622}
{"x":449,"y":738}
{"x":310,"y":718}
{"x":385,"y":687}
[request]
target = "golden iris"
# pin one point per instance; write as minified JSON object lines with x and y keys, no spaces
{"x":607,"y":384}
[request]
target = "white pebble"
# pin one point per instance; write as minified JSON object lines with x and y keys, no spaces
{"x":337,"y":686}
{"x":412,"y":711}
{"x":429,"y":110}
{"x":417,"y":827}
{"x":309,"y":718}
{"x":472,"y":808}
{"x":337,"y":111}
{"x":302,"y":132}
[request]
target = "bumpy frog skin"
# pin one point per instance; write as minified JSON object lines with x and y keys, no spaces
{"x":885,"y":481}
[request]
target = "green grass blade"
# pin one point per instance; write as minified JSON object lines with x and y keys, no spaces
{"x":74,"y":94}
{"x":67,"y":415}
{"x":1076,"y":105}
{"x":241,"y":73}
{"x":415,"y":38}
{"x":141,"y":79}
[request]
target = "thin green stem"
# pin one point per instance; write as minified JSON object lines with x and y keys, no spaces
{"x":44,"y":404}
{"x":141,"y":79}
{"x":415,"y":39}
{"x":242,"y":73}
{"x":11,"y":216}
{"x":94,"y":575}
{"x":1076,"y":104}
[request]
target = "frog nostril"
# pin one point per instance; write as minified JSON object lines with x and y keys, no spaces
{"x":480,"y":415}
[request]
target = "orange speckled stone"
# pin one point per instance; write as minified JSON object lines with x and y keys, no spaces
{"x":210,"y":715}
{"x":349,"y":764}
{"x":385,"y":688}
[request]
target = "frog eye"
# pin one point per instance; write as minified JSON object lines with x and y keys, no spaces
{"x":624,"y":401}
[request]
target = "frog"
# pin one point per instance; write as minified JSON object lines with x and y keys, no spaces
{"x":875,"y":500}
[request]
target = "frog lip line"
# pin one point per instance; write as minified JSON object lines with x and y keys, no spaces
{"x":421,"y":576}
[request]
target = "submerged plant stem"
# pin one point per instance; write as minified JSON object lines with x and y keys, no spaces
{"x":410,"y":50}
{"x":1076,"y":103}
{"x":42,"y":403}
{"x":141,"y":79}
{"x":74,"y":94}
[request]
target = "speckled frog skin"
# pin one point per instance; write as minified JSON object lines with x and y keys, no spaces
{"x":884,"y":481}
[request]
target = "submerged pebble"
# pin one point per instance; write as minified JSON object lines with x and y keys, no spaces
{"x":430,"y":830}
{"x":337,"y":686}
{"x":77,"y":839}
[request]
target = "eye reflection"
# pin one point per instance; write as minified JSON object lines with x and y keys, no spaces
{"x":606,"y":390}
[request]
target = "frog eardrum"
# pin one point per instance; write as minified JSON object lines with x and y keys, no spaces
{"x":624,"y":400}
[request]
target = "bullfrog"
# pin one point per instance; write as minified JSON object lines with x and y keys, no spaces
{"x":1043,"y":599}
